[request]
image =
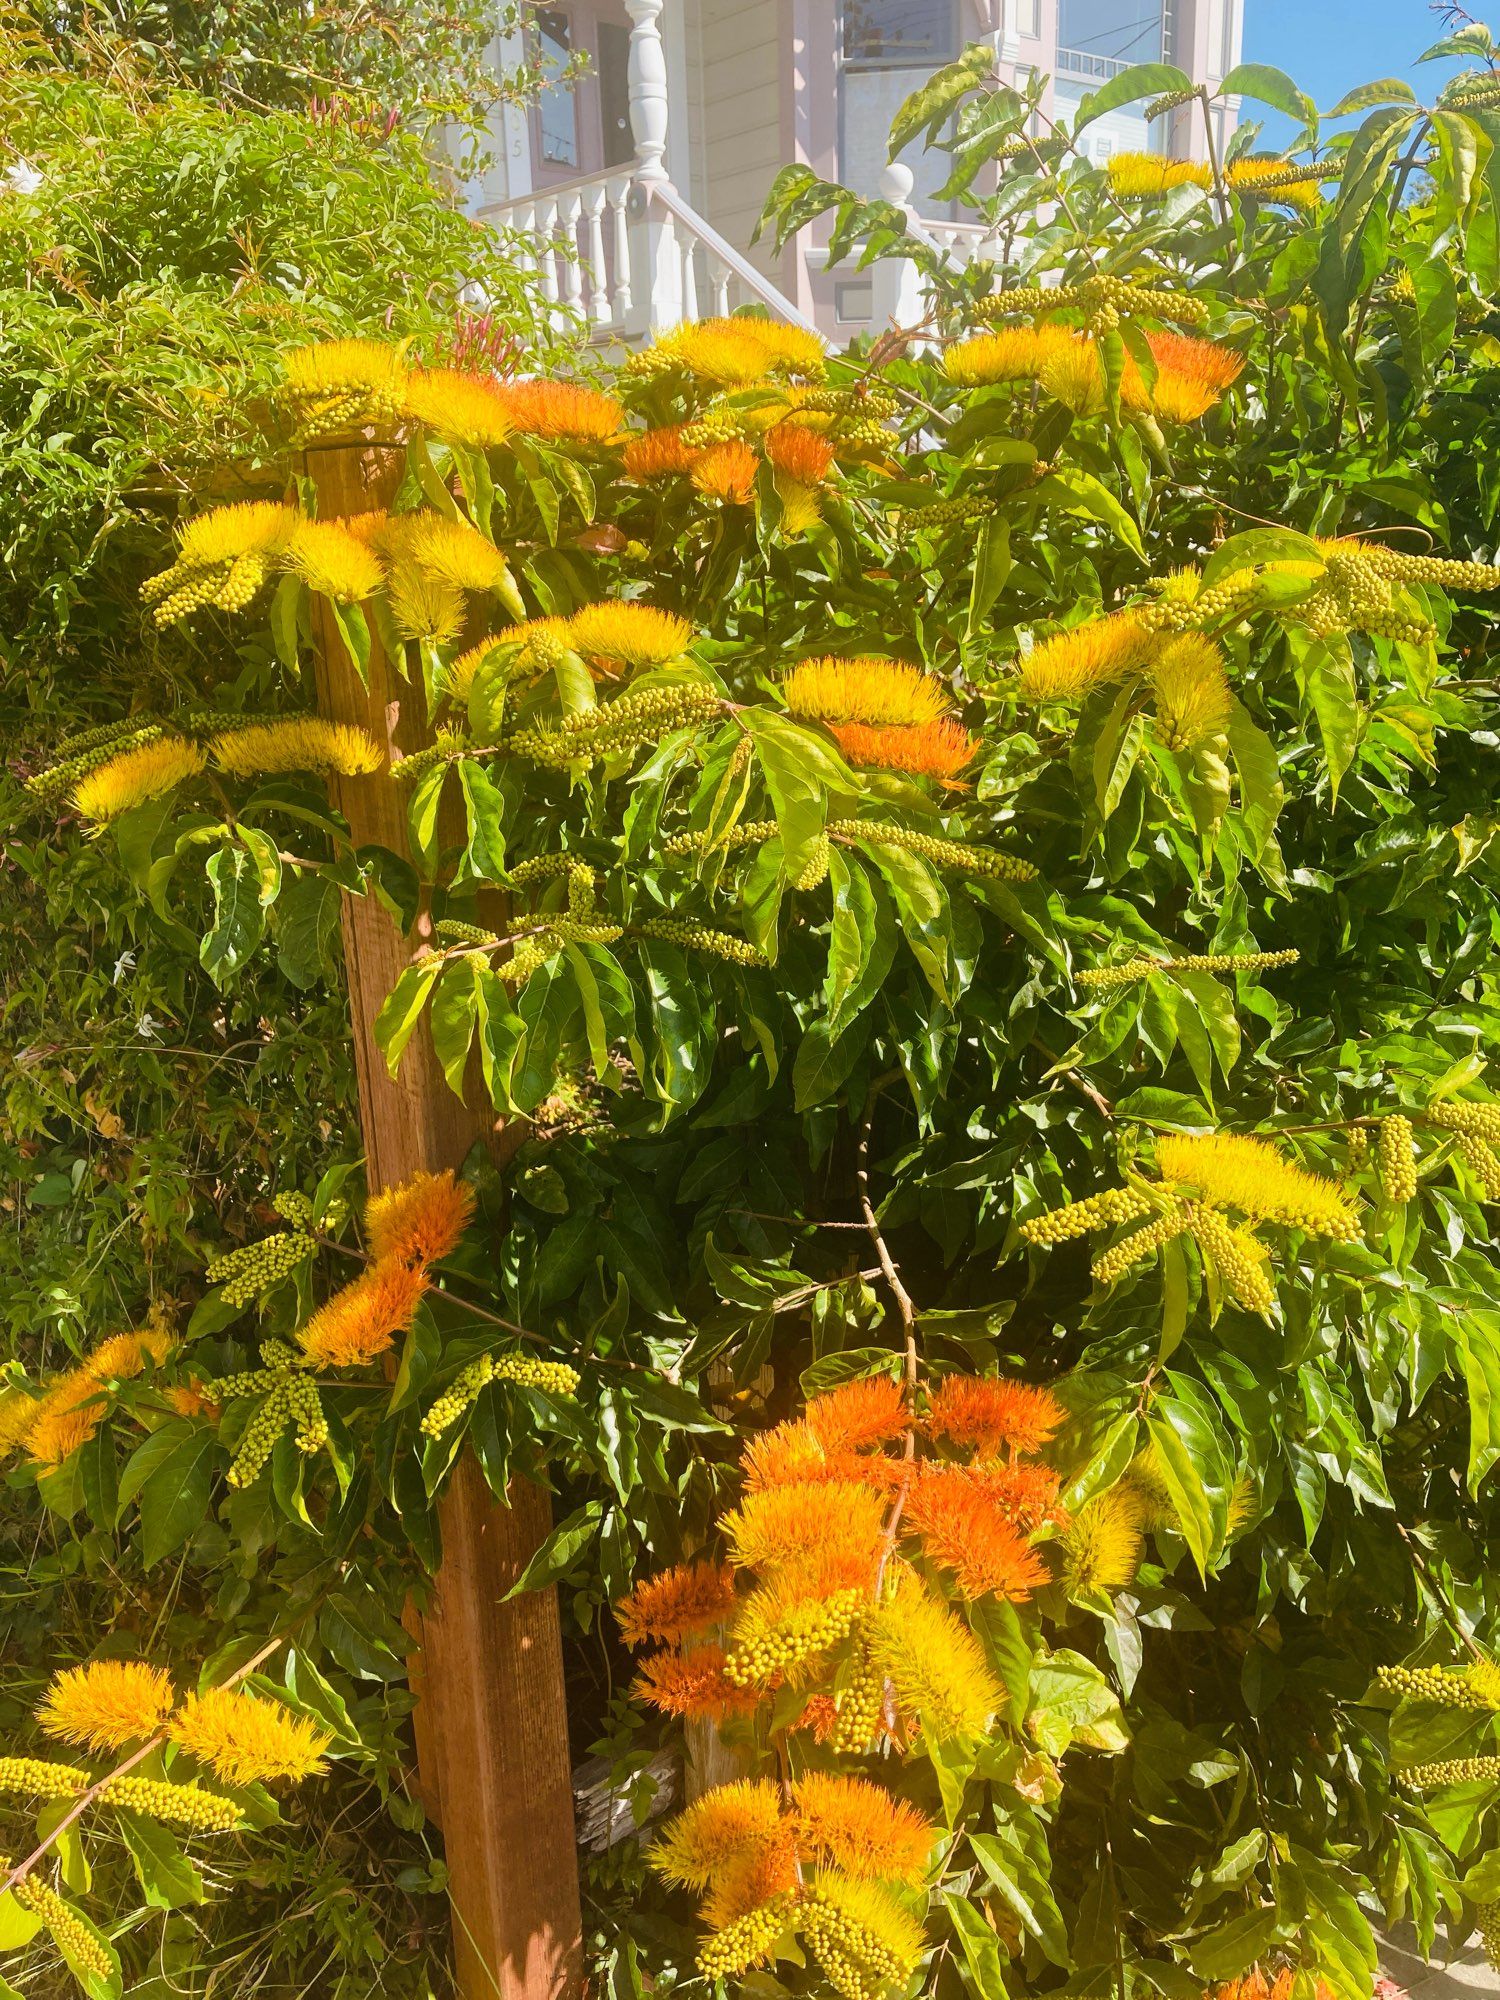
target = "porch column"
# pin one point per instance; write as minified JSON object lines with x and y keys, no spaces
{"x":659,"y":297}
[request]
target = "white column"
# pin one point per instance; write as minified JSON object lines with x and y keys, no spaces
{"x":896,"y":282}
{"x":659,"y":264}
{"x":648,"y":89}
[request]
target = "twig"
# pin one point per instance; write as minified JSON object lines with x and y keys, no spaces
{"x":85,"y":1799}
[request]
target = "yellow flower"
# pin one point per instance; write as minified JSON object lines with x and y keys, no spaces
{"x":532,"y":647}
{"x":1139,"y":176}
{"x":933,"y":1663}
{"x":1070,"y":665}
{"x":734,"y":353}
{"x":1246,"y":177}
{"x":1230,"y":1170}
{"x":423,"y":607}
{"x":336,"y":383}
{"x":865,"y":1941}
{"x":108,"y":1704}
{"x":1073,"y":374}
{"x":250,"y":527}
{"x":1193,"y":699}
{"x":449,"y":551}
{"x":459,"y":408}
{"x":303,"y":743}
{"x":722,"y":1827}
{"x":791,"y":1524}
{"x":639,"y":635}
{"x":18,"y":1412}
{"x":246,"y":1741}
{"x":74,"y":1405}
{"x":865,"y":689}
{"x":1101,"y":1546}
{"x":801,"y":506}
{"x":137,"y":776}
{"x":861,"y":1829}
{"x":1011,"y":354}
{"x":333,"y":562}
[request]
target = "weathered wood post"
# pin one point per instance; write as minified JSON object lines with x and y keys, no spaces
{"x":492,"y":1727}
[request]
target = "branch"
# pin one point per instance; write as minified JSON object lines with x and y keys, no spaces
{"x":85,"y":1799}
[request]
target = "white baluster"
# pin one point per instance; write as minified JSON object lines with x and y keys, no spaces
{"x":618,"y":193}
{"x":663,"y":269}
{"x":647,"y":84}
{"x":546,"y":236}
{"x":598,"y":276}
{"x":572,"y":274}
{"x":689,"y":279}
{"x":718,"y":278}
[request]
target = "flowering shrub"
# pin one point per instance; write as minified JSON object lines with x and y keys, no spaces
{"x":969,"y":864}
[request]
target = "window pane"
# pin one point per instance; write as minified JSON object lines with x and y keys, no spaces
{"x":917,"y":32}
{"x":557,"y":110}
{"x":1111,"y":31}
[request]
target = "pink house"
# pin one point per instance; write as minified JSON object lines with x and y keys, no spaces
{"x":635,"y":185}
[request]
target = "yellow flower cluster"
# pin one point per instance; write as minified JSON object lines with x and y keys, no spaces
{"x":1108,"y":977}
{"x":1453,"y":1771}
{"x":1101,"y":1546}
{"x":135,"y":777}
{"x":252,"y":1268}
{"x":336,"y":385}
{"x":1229,"y":1170}
{"x":299,"y":743}
{"x":68,"y":1931}
{"x":733,"y":353}
{"x":224,"y":556}
{"x":1474,"y":1686}
{"x":774,"y":1638}
{"x":34,"y":1777}
{"x":552,"y":1378}
{"x":865,"y":689}
{"x":182,"y":1805}
{"x":1476,"y":1133}
{"x":245,"y":1740}
{"x":74,"y":1404}
{"x":1393,"y":1159}
{"x":617,"y":728}
{"x":954,"y":856}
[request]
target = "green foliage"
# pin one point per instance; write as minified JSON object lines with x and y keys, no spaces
{"x":777,"y":1006}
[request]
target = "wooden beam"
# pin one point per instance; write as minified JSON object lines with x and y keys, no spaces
{"x":491,"y":1717}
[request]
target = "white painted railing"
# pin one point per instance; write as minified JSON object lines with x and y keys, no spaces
{"x":624,"y":253}
{"x":1083,"y":62}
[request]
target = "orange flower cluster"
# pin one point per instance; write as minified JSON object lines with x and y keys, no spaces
{"x":409,"y":1228}
{"x":926,"y":750}
{"x":1191,"y":375}
{"x":820,"y":1537}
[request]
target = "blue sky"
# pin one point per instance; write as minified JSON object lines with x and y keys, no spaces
{"x":1328,"y":46}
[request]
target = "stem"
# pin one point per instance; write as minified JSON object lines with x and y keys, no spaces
{"x":85,"y":1799}
{"x":1221,"y":193}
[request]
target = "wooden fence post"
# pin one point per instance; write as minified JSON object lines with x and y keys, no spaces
{"x":491,"y":1718}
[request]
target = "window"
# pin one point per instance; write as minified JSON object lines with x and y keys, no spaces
{"x":1028,"y":19}
{"x":1110,"y":33}
{"x":909,"y":34}
{"x":614,"y":93}
{"x":557,"y":108}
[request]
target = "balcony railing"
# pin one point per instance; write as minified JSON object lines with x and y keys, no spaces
{"x":1082,"y":62}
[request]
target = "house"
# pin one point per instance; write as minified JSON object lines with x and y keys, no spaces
{"x":635,"y":180}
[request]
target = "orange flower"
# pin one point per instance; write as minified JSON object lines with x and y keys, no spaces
{"x":963,"y":1532}
{"x":364,"y":1318}
{"x":1204,"y":361}
{"x":785,"y":1525}
{"x":247,"y":1741}
{"x":692,"y":1684}
{"x":74,"y":1406}
{"x":1025,"y":1495}
{"x":677,"y":1604}
{"x":659,"y":454}
{"x":927,"y":750}
{"x":749,"y":1880}
{"x":858,"y":1415}
{"x":791,"y":1453}
{"x":799,"y":452}
{"x":188,"y":1400}
{"x":421,"y":1220}
{"x":987,"y":1412}
{"x":562,"y":410}
{"x":860,"y":1828}
{"x":726,"y":472}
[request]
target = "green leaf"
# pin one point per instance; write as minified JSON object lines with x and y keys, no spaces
{"x":560,"y":1551}
{"x":1230,"y":1948}
{"x":423,"y":816}
{"x":1366,"y":96}
{"x":980,"y":1964}
{"x":402,"y":1008}
{"x":1478,"y":1337}
{"x":1018,"y":1868}
{"x":1129,"y":87}
{"x":168,"y":1879}
{"x":1325,"y":669}
{"x":1193,"y":1471}
{"x":935,"y":100}
{"x":453,"y":1016}
{"x":484,"y":806}
{"x":239,"y":919}
{"x":1273,"y":87}
{"x":306,"y":924}
{"x":1072,"y":1702}
{"x":992,"y":565}
{"x":1076,"y":492}
{"x":1255,"y":547}
{"x":172,"y":1474}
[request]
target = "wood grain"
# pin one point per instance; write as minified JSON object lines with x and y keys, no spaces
{"x":491,"y":1717}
